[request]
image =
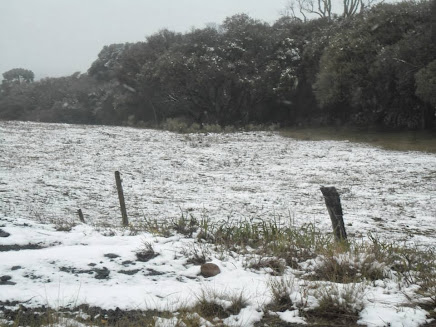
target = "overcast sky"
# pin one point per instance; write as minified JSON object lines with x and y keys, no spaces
{"x":60,"y":37}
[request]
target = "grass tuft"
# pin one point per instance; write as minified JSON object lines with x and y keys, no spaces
{"x":276,"y":266}
{"x":281,"y":289}
{"x":146,"y":253}
{"x":197,"y":253}
{"x":338,"y":305}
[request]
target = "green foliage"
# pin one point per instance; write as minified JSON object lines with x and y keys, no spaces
{"x":368,"y":68}
{"x":104,"y":68}
{"x":18,"y":75}
{"x":426,"y":83}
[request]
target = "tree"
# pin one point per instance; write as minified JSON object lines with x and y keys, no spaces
{"x":18,"y":100}
{"x":426,"y":84}
{"x":18,"y":75}
{"x":433,"y":21}
{"x":15,"y":76}
{"x":367,"y":71}
{"x":324,"y":8}
{"x":104,"y":67}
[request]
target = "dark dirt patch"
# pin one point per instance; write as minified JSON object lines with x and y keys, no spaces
{"x":35,"y":277}
{"x":17,"y":247}
{"x":4,"y":234}
{"x":129,"y":272}
{"x":6,"y":280}
{"x":27,"y":316}
{"x":72,"y":270}
{"x":145,"y":256}
{"x":111,"y":255}
{"x":100,"y":273}
{"x":153,"y":272}
{"x":44,"y":316}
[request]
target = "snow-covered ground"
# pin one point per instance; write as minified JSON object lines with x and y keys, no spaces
{"x":48,"y":171}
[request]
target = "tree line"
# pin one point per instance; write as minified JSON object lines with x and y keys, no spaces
{"x":372,"y":67}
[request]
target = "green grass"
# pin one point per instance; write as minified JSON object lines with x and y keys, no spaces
{"x":424,"y":141}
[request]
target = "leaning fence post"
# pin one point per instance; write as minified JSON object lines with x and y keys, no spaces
{"x":333,"y":203}
{"x":80,"y":213}
{"x":121,"y":198}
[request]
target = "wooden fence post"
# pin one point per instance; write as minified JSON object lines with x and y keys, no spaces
{"x":80,"y":213}
{"x":121,"y":198}
{"x":333,"y":203}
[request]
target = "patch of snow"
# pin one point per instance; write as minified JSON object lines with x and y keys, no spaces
{"x":382,"y":315}
{"x":291,"y":317}
{"x":48,"y":171}
{"x":129,"y":88}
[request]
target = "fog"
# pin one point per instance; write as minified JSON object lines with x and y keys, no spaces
{"x":60,"y":37}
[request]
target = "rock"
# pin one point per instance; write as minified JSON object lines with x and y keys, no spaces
{"x":3,"y":233}
{"x":209,"y":269}
{"x":16,"y":268}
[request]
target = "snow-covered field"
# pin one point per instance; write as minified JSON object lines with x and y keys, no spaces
{"x":48,"y":171}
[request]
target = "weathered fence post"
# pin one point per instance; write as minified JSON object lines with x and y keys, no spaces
{"x":333,"y":203}
{"x":121,"y":198}
{"x":80,"y":213}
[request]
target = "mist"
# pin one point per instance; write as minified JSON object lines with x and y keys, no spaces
{"x":60,"y":37}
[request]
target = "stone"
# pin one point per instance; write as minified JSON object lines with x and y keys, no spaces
{"x":111,"y":255}
{"x":209,"y":269}
{"x":3,"y":233}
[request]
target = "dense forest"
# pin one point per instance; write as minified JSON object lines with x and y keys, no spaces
{"x":375,"y":67}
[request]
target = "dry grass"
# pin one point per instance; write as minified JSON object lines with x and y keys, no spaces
{"x":337,"y":279}
{"x":214,"y":306}
{"x":281,"y":290}
{"x":146,"y":252}
{"x":197,"y":253}
{"x":338,"y":305}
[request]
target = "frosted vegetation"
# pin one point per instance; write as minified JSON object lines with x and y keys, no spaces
{"x":374,"y":67}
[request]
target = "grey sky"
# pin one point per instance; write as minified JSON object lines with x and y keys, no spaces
{"x":60,"y":37}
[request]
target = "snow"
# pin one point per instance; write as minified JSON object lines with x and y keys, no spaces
{"x":291,"y":317}
{"x":379,"y":315}
{"x":48,"y":171}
